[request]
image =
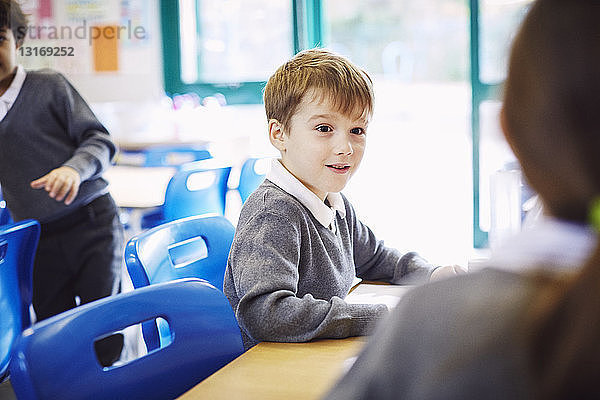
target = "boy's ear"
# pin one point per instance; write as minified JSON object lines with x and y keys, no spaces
{"x":276,"y":135}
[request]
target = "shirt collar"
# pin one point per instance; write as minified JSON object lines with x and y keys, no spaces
{"x":13,"y":90}
{"x":322,"y":212}
{"x":551,"y":243}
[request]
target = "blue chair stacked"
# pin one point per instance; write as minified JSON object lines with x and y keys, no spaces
{"x":55,"y":358}
{"x":18,"y":243}
{"x":198,"y":187}
{"x":163,"y":155}
{"x":159,"y":156}
{"x":192,"y":247}
{"x":173,"y":156}
{"x":252,"y":175}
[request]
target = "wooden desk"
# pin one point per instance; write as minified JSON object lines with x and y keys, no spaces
{"x":281,"y":371}
{"x":292,"y":370}
{"x":138,"y":187}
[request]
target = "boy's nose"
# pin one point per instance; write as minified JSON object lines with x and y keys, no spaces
{"x":344,"y":147}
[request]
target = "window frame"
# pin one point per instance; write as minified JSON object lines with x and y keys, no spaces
{"x":480,"y":92}
{"x":307,"y":33}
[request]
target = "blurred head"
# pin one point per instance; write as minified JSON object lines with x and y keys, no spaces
{"x":332,"y":77}
{"x":13,"y":19}
{"x":13,"y":26}
{"x":551,"y":115}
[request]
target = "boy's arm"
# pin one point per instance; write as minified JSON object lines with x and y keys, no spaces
{"x":95,"y":149}
{"x":266,"y":276}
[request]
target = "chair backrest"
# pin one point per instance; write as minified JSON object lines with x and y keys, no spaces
{"x":193,"y":247}
{"x":55,"y":358}
{"x":173,"y":156}
{"x":197,"y":188}
{"x":252,"y":174}
{"x":18,"y":243}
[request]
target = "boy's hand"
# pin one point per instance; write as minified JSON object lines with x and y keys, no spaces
{"x":60,"y":182}
{"x":446,"y":271}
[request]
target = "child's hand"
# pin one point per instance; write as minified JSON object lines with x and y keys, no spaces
{"x":446,"y":272}
{"x":60,"y":182}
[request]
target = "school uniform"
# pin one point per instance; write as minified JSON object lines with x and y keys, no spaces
{"x":294,"y":258}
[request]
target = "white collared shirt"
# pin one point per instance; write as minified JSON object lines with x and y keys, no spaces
{"x":8,"y":98}
{"x":323,"y":213}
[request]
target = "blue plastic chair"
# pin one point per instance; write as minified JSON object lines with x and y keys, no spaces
{"x":193,"y":247}
{"x":197,"y":188}
{"x":173,"y":156}
{"x":163,"y":155}
{"x":252,"y":175}
{"x":159,"y":156}
{"x":18,"y":243}
{"x":55,"y":358}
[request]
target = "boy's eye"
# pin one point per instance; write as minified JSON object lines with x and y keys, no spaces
{"x":324,"y":128}
{"x":357,"y":131}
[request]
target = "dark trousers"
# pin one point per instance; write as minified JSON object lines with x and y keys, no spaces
{"x":79,"y":256}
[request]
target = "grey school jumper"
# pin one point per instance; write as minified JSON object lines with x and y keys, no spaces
{"x":287,"y":274}
{"x":48,"y":126}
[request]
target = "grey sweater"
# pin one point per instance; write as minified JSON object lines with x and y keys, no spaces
{"x":49,"y":126}
{"x":287,"y":275}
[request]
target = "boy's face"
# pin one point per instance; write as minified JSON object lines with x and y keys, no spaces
{"x":321,"y":147}
{"x":8,"y":58}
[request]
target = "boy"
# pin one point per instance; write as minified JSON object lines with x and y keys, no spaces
{"x":52,"y":154}
{"x":298,"y":243}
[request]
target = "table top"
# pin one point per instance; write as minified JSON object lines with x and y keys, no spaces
{"x":281,"y":371}
{"x":293,"y":370}
{"x":139,"y":145}
{"x":138,"y":187}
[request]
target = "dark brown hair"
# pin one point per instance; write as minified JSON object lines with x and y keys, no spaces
{"x":552,"y":121}
{"x":13,"y":18}
{"x":336,"y":78}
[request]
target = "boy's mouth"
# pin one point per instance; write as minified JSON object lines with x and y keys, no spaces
{"x":338,"y":168}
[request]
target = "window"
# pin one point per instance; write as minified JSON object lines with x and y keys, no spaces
{"x":409,"y":40}
{"x":231,"y":47}
{"x":493,"y":26}
{"x":413,"y":187}
{"x":417,"y":52}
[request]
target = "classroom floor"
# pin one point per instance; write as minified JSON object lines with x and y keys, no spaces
{"x":6,"y":391}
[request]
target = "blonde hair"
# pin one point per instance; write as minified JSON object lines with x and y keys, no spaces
{"x":332,"y":76}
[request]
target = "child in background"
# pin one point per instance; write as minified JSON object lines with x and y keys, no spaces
{"x":298,"y":243}
{"x":53,"y":151}
{"x":498,"y":334}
